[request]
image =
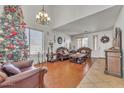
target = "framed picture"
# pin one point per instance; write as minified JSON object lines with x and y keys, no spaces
{"x":59,"y":40}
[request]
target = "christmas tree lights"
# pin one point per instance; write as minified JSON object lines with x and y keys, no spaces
{"x":13,"y":43}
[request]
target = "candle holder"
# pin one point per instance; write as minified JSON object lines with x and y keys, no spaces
{"x":51,"y":46}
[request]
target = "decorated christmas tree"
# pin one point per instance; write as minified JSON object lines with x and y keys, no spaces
{"x":13,"y":43}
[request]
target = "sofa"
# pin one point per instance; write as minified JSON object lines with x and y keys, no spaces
{"x":30,"y":77}
{"x":85,"y":50}
{"x":62,"y":53}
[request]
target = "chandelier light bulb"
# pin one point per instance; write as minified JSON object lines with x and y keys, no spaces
{"x":40,"y":14}
{"x":37,"y":16}
{"x":48,"y":19}
{"x":45,"y":15}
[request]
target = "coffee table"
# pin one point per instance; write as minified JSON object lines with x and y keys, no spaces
{"x":78,"y":58}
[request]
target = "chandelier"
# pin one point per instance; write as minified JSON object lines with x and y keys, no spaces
{"x":42,"y":17}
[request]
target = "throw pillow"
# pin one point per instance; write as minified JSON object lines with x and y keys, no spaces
{"x":83,"y":51}
{"x":78,"y":53}
{"x":3,"y":77}
{"x":23,"y":64}
{"x":66,"y":52}
{"x":10,"y":69}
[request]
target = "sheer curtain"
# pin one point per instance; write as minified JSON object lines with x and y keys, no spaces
{"x":82,"y":42}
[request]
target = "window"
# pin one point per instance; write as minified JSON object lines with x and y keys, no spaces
{"x":35,"y":41}
{"x":79,"y":42}
{"x":82,"y":42}
{"x":85,"y":42}
{"x":95,"y":42}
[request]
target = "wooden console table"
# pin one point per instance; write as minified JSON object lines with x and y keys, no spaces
{"x":113,"y":64}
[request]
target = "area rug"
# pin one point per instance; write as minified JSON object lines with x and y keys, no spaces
{"x":95,"y":78}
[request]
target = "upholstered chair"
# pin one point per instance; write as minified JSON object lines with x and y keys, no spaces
{"x":30,"y":77}
{"x":85,"y":50}
{"x":62,"y":53}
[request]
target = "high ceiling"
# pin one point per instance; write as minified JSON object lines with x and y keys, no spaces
{"x":96,"y":22}
{"x":70,"y":21}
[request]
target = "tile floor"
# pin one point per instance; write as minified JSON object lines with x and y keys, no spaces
{"x":95,"y":78}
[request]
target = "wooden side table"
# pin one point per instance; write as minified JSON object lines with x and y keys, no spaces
{"x":51,"y":57}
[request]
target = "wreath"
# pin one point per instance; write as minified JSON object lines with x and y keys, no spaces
{"x":105,"y":39}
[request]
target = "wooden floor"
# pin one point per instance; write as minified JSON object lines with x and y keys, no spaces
{"x":65,"y":74}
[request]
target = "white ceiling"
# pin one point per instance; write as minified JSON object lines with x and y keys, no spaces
{"x":96,"y":22}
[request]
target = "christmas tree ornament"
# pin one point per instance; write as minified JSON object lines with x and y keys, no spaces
{"x":6,"y":28}
{"x":1,"y":31}
{"x":6,"y":23}
{"x":1,"y":56}
{"x":12,"y":9}
{"x":13,"y":33}
{"x":11,"y":46}
{"x":1,"y":39}
{"x":23,"y":25}
{"x":6,"y":9}
{"x":10,"y":56}
{"x":8,"y":36}
{"x":12,"y":28}
{"x":21,"y":43}
{"x":9,"y":17}
{"x":6,"y":49}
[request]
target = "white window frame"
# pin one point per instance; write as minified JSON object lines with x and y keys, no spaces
{"x":84,"y":43}
{"x":95,"y":42}
{"x":81,"y":41}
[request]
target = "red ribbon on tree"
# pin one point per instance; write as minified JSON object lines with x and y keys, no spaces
{"x":8,"y":36}
{"x":11,"y":46}
{"x":12,"y":9}
{"x":23,"y":25}
{"x":13,"y":33}
{"x":1,"y":56}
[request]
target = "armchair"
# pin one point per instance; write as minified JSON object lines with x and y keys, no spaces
{"x":30,"y":77}
{"x":62,"y":53}
{"x":85,"y":50}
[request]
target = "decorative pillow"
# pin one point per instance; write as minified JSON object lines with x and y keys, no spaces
{"x":78,"y":53}
{"x":66,"y":52}
{"x":83,"y":51}
{"x":10,"y":69}
{"x":3,"y":77}
{"x":60,"y":52}
{"x":23,"y":64}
